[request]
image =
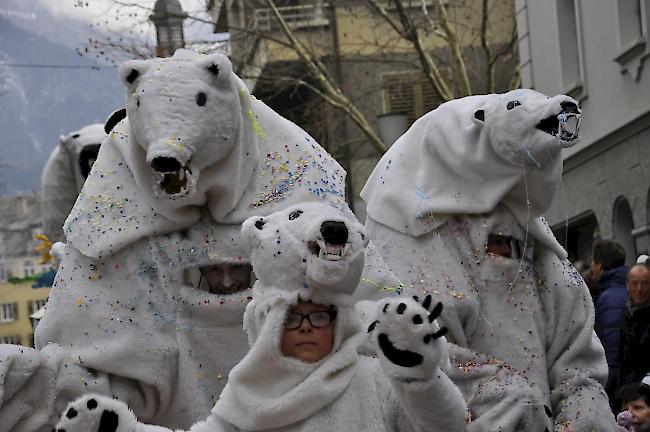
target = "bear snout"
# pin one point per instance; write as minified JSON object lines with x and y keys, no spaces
{"x":165,"y":164}
{"x":569,"y":107}
{"x":334,"y":232}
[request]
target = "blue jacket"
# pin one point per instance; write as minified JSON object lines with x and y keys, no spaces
{"x":610,"y":310}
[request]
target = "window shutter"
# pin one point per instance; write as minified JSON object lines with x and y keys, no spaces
{"x":409,"y":92}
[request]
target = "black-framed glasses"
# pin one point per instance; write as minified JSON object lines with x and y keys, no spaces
{"x":318,"y":319}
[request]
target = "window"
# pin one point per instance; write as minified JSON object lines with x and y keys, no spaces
{"x":632,"y":34}
{"x":630,"y":26}
{"x":36,"y":305}
{"x":570,"y":48}
{"x":409,"y":92}
{"x":28,"y":268}
{"x":8,"y":312}
{"x":14,"y":340}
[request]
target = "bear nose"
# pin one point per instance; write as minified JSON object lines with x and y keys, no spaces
{"x":569,"y":107}
{"x":334,"y":232}
{"x":165,"y":164}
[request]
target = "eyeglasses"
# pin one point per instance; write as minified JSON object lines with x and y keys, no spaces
{"x":318,"y":319}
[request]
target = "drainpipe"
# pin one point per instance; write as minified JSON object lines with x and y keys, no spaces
{"x":343,"y":130}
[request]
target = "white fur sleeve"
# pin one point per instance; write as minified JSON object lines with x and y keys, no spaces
{"x":36,"y":385}
{"x":97,"y":413}
{"x":577,"y":367}
{"x":413,"y":353}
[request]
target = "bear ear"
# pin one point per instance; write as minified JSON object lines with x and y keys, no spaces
{"x":479,"y":116}
{"x":132,"y":70}
{"x":114,"y":119}
{"x":218,"y":65}
{"x":250,"y":232}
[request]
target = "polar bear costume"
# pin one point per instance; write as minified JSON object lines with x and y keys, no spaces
{"x":195,"y":156}
{"x":485,"y":165}
{"x":64,"y":175}
{"x":312,"y":252}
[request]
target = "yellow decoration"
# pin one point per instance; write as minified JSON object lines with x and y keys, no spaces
{"x":43,"y":248}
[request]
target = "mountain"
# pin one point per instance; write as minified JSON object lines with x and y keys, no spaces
{"x":39,"y":104}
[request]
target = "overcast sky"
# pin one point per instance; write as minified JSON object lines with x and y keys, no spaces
{"x":68,"y":23}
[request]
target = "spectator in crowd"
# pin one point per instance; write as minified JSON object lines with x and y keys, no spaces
{"x":609,"y":269}
{"x":634,"y":415}
{"x":635,"y":334}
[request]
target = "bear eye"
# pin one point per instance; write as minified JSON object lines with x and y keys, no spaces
{"x":201,"y":99}
{"x":512,"y":104}
{"x":295,"y":214}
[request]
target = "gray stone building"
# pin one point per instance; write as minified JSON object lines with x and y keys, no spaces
{"x":595,"y":51}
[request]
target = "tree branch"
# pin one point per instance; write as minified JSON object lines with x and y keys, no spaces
{"x":335,"y":95}
{"x":454,"y":45}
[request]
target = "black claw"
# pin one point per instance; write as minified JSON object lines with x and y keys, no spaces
{"x":548,"y":411}
{"x":435,"y":313}
{"x":72,"y":413}
{"x":427,"y":302}
{"x":372,"y":325}
{"x":108,"y":422}
{"x":385,"y":307}
{"x":440,"y":333}
{"x":417,"y":319}
{"x":401,"y":308}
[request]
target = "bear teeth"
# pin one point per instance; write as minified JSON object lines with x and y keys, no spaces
{"x":330,"y":252}
{"x":569,"y":126}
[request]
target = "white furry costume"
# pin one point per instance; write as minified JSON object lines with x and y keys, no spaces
{"x":172,"y":183}
{"x":296,"y":258}
{"x":64,"y":175}
{"x":491,"y":165}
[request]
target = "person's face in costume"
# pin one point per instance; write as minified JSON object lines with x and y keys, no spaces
{"x":638,"y":284}
{"x":499,"y":245}
{"x":227,"y":278}
{"x":639,"y":409}
{"x":308,"y":332}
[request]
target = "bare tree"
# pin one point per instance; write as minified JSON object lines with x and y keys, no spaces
{"x":458,"y":46}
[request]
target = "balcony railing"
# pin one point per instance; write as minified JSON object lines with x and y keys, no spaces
{"x":302,"y":16}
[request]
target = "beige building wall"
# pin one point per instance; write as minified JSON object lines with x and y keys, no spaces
{"x":26,"y":266}
{"x":17,"y":303}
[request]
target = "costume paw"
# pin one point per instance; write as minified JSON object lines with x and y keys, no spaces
{"x":409,"y":342}
{"x":95,"y":413}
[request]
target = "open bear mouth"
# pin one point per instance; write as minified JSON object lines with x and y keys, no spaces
{"x":176,"y":182}
{"x":327,"y":251}
{"x":563,"y":125}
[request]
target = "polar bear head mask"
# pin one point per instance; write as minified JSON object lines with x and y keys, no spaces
{"x":527,"y":126}
{"x":307,"y":247}
{"x":183,"y":112}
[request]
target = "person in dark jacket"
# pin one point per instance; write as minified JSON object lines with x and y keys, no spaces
{"x":609,"y":269}
{"x":635,"y":333}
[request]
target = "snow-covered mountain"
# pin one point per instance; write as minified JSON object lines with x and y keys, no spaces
{"x":38,"y":104}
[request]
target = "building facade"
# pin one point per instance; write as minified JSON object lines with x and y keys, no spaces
{"x":376,"y":68}
{"x":18,"y":302}
{"x":20,"y":269}
{"x":598,"y":52}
